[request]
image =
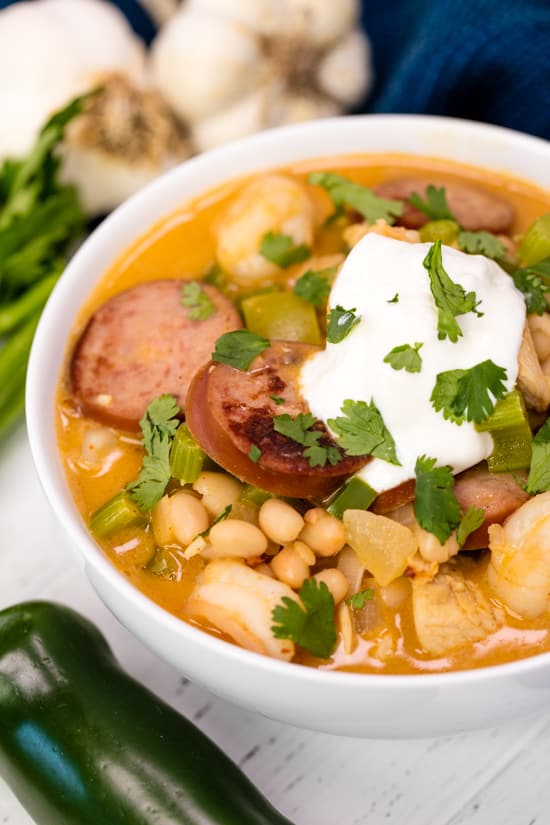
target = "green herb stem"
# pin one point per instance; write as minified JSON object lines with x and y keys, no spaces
{"x":17,"y":311}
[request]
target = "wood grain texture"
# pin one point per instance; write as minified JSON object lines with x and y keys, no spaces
{"x":482,"y":778}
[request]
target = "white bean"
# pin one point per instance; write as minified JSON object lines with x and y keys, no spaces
{"x":236,"y":538}
{"x":335,"y":581}
{"x":218,"y":491}
{"x":325,"y":534}
{"x":279,"y":521}
{"x":290,"y":568}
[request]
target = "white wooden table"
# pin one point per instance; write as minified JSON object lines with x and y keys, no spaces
{"x":494,"y":777}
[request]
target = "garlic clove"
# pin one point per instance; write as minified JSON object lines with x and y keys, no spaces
{"x":319,"y":22}
{"x":202,"y":62}
{"x":345,"y":72}
{"x":294,"y":107}
{"x":242,"y":118}
{"x":261,"y":16}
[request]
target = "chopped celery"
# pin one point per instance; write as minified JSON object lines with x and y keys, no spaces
{"x":536,"y":242}
{"x":282,"y":315}
{"x":356,"y":494}
{"x":115,"y":515}
{"x":254,"y":494}
{"x":186,"y":457}
{"x":163,"y":564}
{"x":445,"y":231}
{"x":511,"y":433}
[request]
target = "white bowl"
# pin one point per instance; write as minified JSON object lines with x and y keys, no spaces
{"x":342,"y":703}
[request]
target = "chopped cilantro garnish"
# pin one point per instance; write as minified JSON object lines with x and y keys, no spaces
{"x":340,"y":323}
{"x":470,"y":521}
{"x":481,"y":243}
{"x":435,"y":206}
{"x":310,"y":624}
{"x":314,"y":286}
{"x":435,"y":504}
{"x":359,"y":600}
{"x":538,"y":480}
{"x":281,"y":250}
{"x":405,"y":357}
{"x":239,"y":348}
{"x":299,"y":429}
{"x":450,"y":298}
{"x":277,"y":399}
{"x":254,"y":453}
{"x":534,"y":282}
{"x":362,"y":431}
{"x":199,"y":306}
{"x":225,"y":513}
{"x":345,"y":192}
{"x":394,"y":300}
{"x":158,"y":427}
{"x":469,"y":394}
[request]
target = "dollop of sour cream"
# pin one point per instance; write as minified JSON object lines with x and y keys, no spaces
{"x":376,"y":270}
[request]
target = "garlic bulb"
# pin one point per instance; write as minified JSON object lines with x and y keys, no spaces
{"x":53,"y":50}
{"x":232,"y":67}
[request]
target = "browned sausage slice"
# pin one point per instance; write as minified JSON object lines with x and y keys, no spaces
{"x":498,"y":494}
{"x":142,"y":343}
{"x":474,"y":208}
{"x":229,"y":410}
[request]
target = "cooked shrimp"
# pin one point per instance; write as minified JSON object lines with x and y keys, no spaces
{"x":539,"y":326}
{"x":239,"y":601}
{"x":356,"y":231}
{"x":274,"y":203}
{"x":519,"y":571}
{"x":532,"y":381}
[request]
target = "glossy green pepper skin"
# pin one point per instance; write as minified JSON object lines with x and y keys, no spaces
{"x":82,"y":743}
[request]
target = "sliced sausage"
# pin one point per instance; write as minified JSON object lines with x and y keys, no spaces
{"x":498,"y":494}
{"x":229,"y":410}
{"x":474,"y":208}
{"x":142,"y":343}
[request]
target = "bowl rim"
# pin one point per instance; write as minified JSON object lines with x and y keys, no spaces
{"x":86,"y":548}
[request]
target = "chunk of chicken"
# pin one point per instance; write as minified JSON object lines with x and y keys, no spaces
{"x":539,"y":326}
{"x":239,"y":601}
{"x":519,"y":571}
{"x":532,"y":381}
{"x":356,"y":231}
{"x":450,"y":611}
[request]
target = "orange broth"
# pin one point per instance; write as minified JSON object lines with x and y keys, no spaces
{"x":182,"y":246}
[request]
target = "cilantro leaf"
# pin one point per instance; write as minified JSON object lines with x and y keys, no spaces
{"x":450,"y":298}
{"x":405,"y":357}
{"x":362,"y":431}
{"x":394,"y":300}
{"x":199,"y":305}
{"x":470,"y":521}
{"x":239,"y":348}
{"x":310,"y":624}
{"x":469,"y":394}
{"x":435,"y":206}
{"x":314,"y":286}
{"x":277,"y":399}
{"x":225,"y":513}
{"x":158,"y":427}
{"x":254,"y":453}
{"x":435,"y":504}
{"x":359,"y":600}
{"x":481,"y":243}
{"x":538,"y":480}
{"x":281,"y":250}
{"x":534,"y":282}
{"x":340,"y":323}
{"x":298,"y":429}
{"x":344,"y":192}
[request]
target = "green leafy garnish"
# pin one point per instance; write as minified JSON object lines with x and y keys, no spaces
{"x":239,"y":348}
{"x":299,"y":429}
{"x":481,"y":243}
{"x":435,"y":504}
{"x":470,"y":521}
{"x":469,"y":394}
{"x":199,"y":306}
{"x":254,"y":453}
{"x":277,"y":399}
{"x":362,"y":431}
{"x":359,"y":600}
{"x":344,"y":192}
{"x":340,"y":323}
{"x":538,"y":480}
{"x":225,"y":513}
{"x":534,"y":282}
{"x":405,"y":357}
{"x":158,"y":427}
{"x":310,"y":624}
{"x":435,"y":206}
{"x":450,"y":298}
{"x":394,"y":300}
{"x":281,"y":250}
{"x":314,"y":286}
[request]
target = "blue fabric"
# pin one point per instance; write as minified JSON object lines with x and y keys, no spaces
{"x":481,"y":59}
